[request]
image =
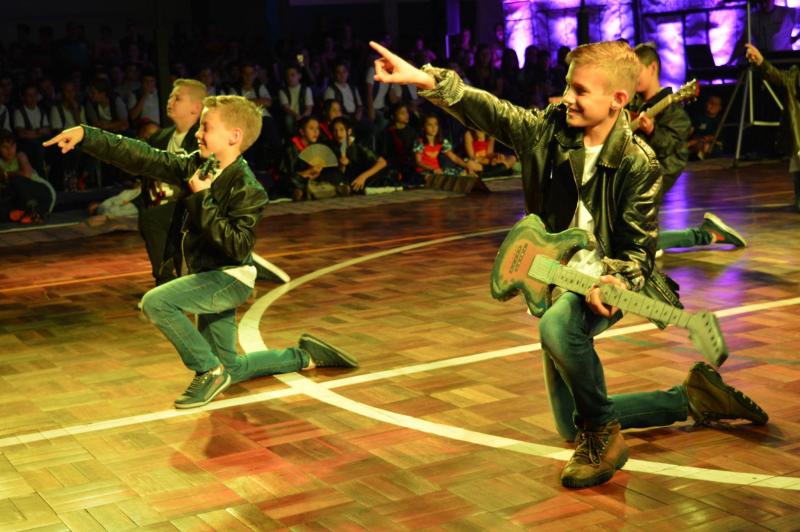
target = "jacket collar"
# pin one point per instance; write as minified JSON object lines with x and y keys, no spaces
{"x":571,"y":138}
{"x":616,"y":143}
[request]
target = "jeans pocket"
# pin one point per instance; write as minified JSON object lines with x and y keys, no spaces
{"x":233,"y":294}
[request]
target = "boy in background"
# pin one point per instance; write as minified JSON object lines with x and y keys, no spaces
{"x":223,"y":204}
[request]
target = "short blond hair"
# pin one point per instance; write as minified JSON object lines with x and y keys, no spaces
{"x":238,"y":112}
{"x":196,"y":89}
{"x":616,"y":58}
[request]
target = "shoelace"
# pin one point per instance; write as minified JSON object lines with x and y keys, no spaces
{"x":592,"y":444}
{"x":197,"y":383}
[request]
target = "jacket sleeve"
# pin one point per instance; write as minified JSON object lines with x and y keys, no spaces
{"x":671,"y":133}
{"x":636,"y":231}
{"x":232,"y":231}
{"x":775,"y":77}
{"x":137,"y":157}
{"x":510,"y":124}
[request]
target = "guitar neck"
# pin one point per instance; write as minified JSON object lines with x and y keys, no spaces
{"x":651,"y":111}
{"x":552,"y":272}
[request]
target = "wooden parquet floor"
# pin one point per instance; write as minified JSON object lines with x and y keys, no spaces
{"x":445,"y":426}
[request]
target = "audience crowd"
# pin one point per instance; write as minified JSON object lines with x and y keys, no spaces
{"x":383,"y":137}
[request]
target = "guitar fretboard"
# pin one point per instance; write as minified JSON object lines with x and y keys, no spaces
{"x":552,"y":272}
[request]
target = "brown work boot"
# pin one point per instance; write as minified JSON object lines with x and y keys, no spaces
{"x":710,"y":399}
{"x":600,"y":452}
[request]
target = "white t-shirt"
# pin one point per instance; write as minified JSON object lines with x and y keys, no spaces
{"x":69,"y":120}
{"x":292,"y":99}
{"x":104,"y":111}
{"x":588,"y":262}
{"x":251,"y":94}
{"x":379,"y":96}
{"x":5,"y":117}
{"x":350,"y":100}
{"x":37,"y":118}
{"x":173,"y":146}
{"x":149,"y":109}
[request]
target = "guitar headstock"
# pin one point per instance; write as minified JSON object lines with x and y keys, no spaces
{"x":707,"y":337}
{"x":688,"y":91}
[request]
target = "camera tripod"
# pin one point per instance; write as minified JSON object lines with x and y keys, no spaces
{"x":747,"y":116}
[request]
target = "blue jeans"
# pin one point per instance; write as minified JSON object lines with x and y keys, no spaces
{"x":575,"y":381}
{"x":214,"y":297}
{"x":685,"y":238}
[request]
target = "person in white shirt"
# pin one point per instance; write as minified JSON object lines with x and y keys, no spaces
{"x":380,"y":96}
{"x":296,"y":99}
{"x":31,"y":126}
{"x":344,"y":92}
{"x":143,"y":103}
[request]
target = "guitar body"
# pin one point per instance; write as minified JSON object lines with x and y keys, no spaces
{"x":531,"y":261}
{"x":527,"y":239}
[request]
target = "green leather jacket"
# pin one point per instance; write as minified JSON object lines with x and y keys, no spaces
{"x":621,"y":197}
{"x":789,"y":82}
{"x":220,"y":226}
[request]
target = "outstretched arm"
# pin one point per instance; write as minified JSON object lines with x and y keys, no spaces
{"x":130,"y":155}
{"x":512,"y":125}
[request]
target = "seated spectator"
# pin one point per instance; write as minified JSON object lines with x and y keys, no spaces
{"x":296,"y":99}
{"x":398,"y":144}
{"x":5,"y":115}
{"x":65,"y":114}
{"x":380,"y":96}
{"x":345,"y":92}
{"x":122,"y":205}
{"x":357,"y":163}
{"x":105,"y":109}
{"x":331,"y":109}
{"x":68,"y":112}
{"x":480,"y":148}
{"x":143,"y":103}
{"x":430,"y":146}
{"x":209,"y":78}
{"x":294,"y":172}
{"x":260,"y":154}
{"x":32,"y":127}
{"x":24,"y":196}
{"x":704,"y":127}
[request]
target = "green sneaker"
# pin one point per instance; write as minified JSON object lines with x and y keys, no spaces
{"x":710,"y":399}
{"x":325,"y":355}
{"x":203,"y":389}
{"x":722,"y":232}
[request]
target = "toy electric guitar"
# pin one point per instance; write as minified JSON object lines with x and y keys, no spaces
{"x":531,"y":261}
{"x":689,"y":91}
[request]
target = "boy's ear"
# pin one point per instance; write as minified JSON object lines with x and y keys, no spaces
{"x":619,"y":99}
{"x":236,"y":136}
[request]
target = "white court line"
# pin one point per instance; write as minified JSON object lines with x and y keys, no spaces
{"x":251,"y":340}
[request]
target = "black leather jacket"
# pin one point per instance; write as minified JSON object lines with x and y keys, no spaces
{"x":670,"y":136}
{"x":220,"y":226}
{"x":621,"y":197}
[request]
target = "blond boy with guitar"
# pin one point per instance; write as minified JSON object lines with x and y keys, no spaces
{"x":582,"y":167}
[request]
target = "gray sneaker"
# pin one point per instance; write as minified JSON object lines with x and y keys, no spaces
{"x":325,"y":355}
{"x":203,"y":389}
{"x":266,"y":271}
